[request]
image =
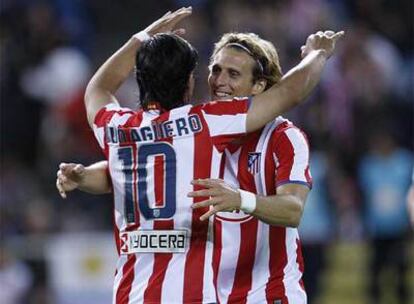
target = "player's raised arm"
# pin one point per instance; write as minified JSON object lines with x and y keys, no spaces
{"x":297,"y":84}
{"x":109,"y":77}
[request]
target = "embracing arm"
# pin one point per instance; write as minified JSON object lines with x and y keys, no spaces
{"x":92,"y":179}
{"x":297,"y":84}
{"x":283,"y":209}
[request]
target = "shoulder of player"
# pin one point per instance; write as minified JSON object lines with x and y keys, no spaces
{"x":281,"y":127}
{"x":111,"y":114}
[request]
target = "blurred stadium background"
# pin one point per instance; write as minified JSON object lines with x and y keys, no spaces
{"x":359,"y":121}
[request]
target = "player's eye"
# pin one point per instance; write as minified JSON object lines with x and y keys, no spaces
{"x":234,"y":74}
{"x":215,"y":69}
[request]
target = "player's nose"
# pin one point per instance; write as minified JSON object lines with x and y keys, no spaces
{"x":221,"y":79}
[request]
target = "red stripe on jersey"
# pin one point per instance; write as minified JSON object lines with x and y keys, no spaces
{"x":153,"y":291}
{"x":270,"y":169}
{"x":308,"y":175}
{"x":124,"y":288}
{"x":285,"y":155}
{"x":135,"y":120}
{"x":194,"y":264}
{"x":246,"y":178}
{"x":222,"y":141}
{"x":103,"y":116}
{"x":159,"y":180}
{"x":216,"y":251}
{"x":244,"y":269}
{"x":277,"y":248}
{"x":236,"y":106}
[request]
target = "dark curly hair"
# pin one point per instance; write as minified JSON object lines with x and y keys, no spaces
{"x":164,"y":64}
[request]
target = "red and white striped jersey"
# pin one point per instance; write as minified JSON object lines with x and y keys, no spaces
{"x":165,"y":251}
{"x":255,"y":262}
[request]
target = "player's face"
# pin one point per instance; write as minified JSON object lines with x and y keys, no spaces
{"x":231,"y":74}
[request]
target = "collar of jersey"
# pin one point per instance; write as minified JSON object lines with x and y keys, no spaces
{"x":155,"y":105}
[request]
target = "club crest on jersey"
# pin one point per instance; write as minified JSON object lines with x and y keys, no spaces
{"x":253,"y":162}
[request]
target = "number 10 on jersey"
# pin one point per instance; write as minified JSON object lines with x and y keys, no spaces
{"x":152,"y":174}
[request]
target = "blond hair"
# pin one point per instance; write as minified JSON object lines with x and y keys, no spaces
{"x":262,"y":51}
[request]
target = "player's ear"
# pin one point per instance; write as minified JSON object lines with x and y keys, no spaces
{"x":259,"y":86}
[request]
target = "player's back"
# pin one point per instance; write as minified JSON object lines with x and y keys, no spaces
{"x":165,"y":253}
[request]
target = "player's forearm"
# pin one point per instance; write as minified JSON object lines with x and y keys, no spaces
{"x":109,"y":77}
{"x":292,"y":90}
{"x":281,"y":210}
{"x":95,"y":179}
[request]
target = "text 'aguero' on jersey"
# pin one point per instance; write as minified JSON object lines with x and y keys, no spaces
{"x":182,"y":126}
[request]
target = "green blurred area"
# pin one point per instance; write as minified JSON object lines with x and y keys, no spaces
{"x":346,"y":278}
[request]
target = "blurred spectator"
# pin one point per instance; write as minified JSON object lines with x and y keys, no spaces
{"x":410,"y":201}
{"x":384,"y":175}
{"x":317,"y":226}
{"x":15,"y":278}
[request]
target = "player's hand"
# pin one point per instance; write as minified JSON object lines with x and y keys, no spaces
{"x":69,"y":177}
{"x":168,"y":22}
{"x":222,"y":197}
{"x":325,"y":41}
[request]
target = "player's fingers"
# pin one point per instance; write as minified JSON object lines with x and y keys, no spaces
{"x":202,"y":193}
{"x":60,"y":188}
{"x":180,"y":15}
{"x":66,"y":168}
{"x":205,"y":203}
{"x":209,"y":213}
{"x":62,"y":178}
{"x":198,"y":193}
{"x":79,"y":169}
{"x":206,"y":182}
{"x":62,"y":165}
{"x":319,"y":33}
{"x":329,"y":33}
{"x":199,"y":205}
{"x":310,"y":38}
{"x":338,"y":35}
{"x":215,"y":180}
{"x":179,"y":32}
